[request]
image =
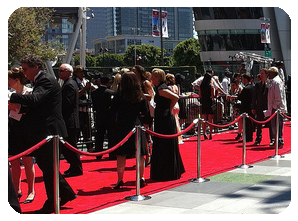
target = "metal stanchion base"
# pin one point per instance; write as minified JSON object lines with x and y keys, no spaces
{"x":244,"y":166}
{"x":199,"y":180}
{"x":137,"y":198}
{"x":276,"y":157}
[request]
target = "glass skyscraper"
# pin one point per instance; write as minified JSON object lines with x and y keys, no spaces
{"x":123,"y":19}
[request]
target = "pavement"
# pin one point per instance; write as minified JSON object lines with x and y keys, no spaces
{"x":263,"y":189}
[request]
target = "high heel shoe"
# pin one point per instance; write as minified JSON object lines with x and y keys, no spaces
{"x":210,"y":136}
{"x":205,"y":137}
{"x":118,"y":185}
{"x":238,"y":136}
{"x":29,"y":199}
{"x":142,"y":183}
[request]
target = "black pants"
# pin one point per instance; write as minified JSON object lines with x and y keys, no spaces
{"x":44,"y":159}
{"x":71,"y":157}
{"x":102,"y":128}
{"x":249,"y":129}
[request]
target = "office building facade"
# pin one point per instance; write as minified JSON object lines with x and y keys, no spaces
{"x":224,"y":32}
{"x":126,"y":24}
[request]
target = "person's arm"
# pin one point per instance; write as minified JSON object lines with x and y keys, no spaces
{"x":148,"y":90}
{"x":277,"y":101}
{"x":212,"y":91}
{"x":69,"y":95}
{"x":41,"y":90}
{"x":170,"y":95}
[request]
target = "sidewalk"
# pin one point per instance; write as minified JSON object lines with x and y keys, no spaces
{"x":263,"y":189}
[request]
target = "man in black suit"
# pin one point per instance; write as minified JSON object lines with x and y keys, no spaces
{"x":43,"y":110}
{"x":259,"y":102}
{"x":70,"y":113}
{"x":101,"y":98}
{"x":246,"y":101}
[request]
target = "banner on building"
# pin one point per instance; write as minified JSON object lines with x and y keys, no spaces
{"x":265,"y":33}
{"x":156,"y":24}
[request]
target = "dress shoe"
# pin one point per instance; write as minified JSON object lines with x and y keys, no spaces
{"x":63,"y":201}
{"x":48,"y":207}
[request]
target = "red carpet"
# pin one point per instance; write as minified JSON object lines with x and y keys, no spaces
{"x":94,"y":187}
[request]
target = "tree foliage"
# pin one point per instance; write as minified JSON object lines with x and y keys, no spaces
{"x":147,"y":55}
{"x":27,"y":27}
{"x":187,"y":53}
{"x":109,"y":60}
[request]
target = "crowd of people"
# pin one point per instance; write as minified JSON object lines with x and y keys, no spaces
{"x":258,"y":99}
{"x":134,"y":97}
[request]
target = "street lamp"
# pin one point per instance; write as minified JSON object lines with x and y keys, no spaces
{"x":134,"y":42}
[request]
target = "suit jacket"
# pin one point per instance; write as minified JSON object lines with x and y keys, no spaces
{"x":70,"y":103}
{"x":43,"y":109}
{"x":246,"y":99}
{"x":259,"y":100}
{"x":101,"y":100}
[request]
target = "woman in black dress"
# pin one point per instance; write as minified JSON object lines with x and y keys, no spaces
{"x":16,"y":139}
{"x":166,"y":162}
{"x":206,"y":94}
{"x":130,"y":109}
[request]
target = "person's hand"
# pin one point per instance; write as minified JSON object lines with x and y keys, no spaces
{"x":88,"y":85}
{"x":13,"y":107}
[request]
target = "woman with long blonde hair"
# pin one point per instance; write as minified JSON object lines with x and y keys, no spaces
{"x":166,"y":162}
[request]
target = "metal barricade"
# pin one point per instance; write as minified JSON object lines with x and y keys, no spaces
{"x":190,"y":109}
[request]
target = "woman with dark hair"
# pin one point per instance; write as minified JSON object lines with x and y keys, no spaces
{"x":143,"y":78}
{"x":130,"y":109}
{"x":17,"y":81}
{"x":146,"y":86}
{"x":207,"y":93}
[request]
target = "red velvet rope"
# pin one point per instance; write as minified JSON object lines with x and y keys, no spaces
{"x":262,"y":122}
{"x":26,"y":152}
{"x":223,"y":126}
{"x":66,"y":144}
{"x":286,"y":116}
{"x":166,"y":136}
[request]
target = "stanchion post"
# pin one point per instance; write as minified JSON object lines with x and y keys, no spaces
{"x":276,"y":156}
{"x":138,"y":196}
{"x":56,"y":173}
{"x":244,"y":166}
{"x":199,"y":179}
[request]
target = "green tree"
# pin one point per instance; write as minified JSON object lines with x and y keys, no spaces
{"x":187,"y":53}
{"x":109,"y":60}
{"x":26,"y":28}
{"x":147,"y":55}
{"x":90,"y":61}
